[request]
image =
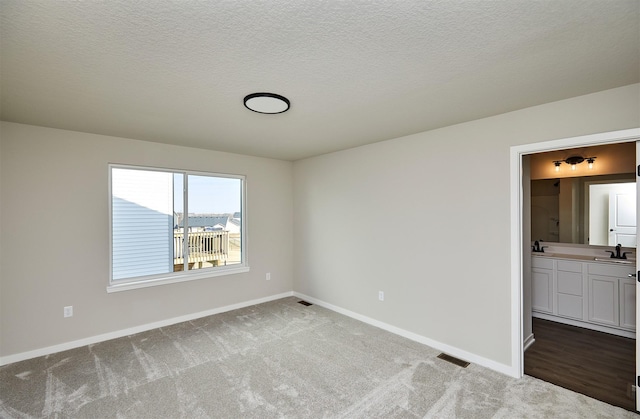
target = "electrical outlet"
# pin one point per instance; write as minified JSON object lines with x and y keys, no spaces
{"x":381,"y":295}
{"x":68,"y":311}
{"x":268,"y":276}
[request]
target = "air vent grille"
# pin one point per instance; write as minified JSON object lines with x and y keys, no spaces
{"x":453,"y":360}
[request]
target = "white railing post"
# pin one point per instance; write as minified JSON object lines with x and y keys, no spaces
{"x":202,"y":246}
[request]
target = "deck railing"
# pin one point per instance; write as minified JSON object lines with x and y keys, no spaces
{"x":204,"y":246}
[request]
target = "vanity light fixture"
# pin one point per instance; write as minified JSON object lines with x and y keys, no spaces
{"x":573,"y":161}
{"x":269,"y":103}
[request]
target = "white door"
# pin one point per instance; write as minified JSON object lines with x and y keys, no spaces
{"x":622,"y":215}
{"x":637,"y":283}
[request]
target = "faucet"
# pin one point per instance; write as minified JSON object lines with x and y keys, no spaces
{"x":617,"y":254}
{"x":537,"y":248}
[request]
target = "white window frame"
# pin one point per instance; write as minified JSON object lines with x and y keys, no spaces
{"x":182,"y":276}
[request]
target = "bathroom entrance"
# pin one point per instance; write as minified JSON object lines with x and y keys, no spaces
{"x":566,"y":341}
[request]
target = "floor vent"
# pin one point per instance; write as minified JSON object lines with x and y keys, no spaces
{"x":454,"y":360}
{"x":304,"y":303}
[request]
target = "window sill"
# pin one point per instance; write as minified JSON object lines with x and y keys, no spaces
{"x":184,"y":277}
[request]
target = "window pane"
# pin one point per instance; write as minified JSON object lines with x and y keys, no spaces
{"x":142,"y":222}
{"x":214,"y":222}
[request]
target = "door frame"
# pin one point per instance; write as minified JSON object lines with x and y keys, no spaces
{"x":517,"y":249}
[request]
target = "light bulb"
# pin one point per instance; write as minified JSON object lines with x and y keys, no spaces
{"x":573,"y":167}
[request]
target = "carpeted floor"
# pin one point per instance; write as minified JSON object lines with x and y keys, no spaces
{"x":278,"y":359}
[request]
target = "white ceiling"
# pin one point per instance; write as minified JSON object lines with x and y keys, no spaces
{"x":356,"y":72}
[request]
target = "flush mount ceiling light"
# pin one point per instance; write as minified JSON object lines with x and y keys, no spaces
{"x":573,"y":160}
{"x":270,"y":103}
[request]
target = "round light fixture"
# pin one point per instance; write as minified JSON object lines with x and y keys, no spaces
{"x":270,"y":103}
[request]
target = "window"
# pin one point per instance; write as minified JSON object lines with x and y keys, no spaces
{"x":169,"y":225}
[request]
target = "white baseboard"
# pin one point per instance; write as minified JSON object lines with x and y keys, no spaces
{"x":458,"y":353}
{"x":4,"y":360}
{"x":528,"y":342}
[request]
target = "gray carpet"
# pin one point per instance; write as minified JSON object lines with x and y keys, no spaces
{"x":278,"y":359}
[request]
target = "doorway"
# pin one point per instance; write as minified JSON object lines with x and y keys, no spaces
{"x":522,"y":238}
{"x":571,"y":206}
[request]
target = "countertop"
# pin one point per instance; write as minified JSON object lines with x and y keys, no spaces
{"x":587,"y":258}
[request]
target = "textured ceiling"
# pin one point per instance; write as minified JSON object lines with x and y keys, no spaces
{"x":356,"y":72}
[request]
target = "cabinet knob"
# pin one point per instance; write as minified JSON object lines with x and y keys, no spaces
{"x":631,"y":275}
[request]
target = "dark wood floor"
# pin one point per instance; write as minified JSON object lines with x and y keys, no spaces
{"x":597,"y":364}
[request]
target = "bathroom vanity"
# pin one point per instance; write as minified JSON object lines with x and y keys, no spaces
{"x":585,"y":290}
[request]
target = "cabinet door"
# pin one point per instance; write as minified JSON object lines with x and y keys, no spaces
{"x":628,"y":304}
{"x":603,"y":300}
{"x":542,"y":290}
{"x":570,"y":306}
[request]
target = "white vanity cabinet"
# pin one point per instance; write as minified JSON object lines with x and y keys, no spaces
{"x":628,"y":303}
{"x":596,"y":295}
{"x":542,"y":285}
{"x":607,"y":303}
{"x":604,"y":300}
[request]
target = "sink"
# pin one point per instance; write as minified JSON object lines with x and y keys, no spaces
{"x":623,"y":261}
{"x":542,"y":254}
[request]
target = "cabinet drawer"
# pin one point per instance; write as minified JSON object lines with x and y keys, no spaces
{"x":569,"y":266}
{"x":539,"y":262}
{"x":570,"y":283}
{"x":611,"y":269}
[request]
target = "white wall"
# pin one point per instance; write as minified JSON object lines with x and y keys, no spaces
{"x":445,"y":264}
{"x":55,"y":240}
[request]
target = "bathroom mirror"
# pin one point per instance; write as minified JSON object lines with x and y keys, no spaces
{"x":580,"y":210}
